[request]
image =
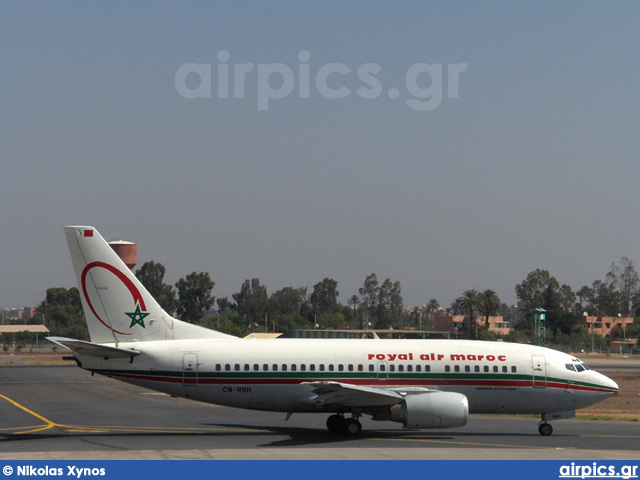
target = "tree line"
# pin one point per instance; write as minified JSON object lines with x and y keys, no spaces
{"x":379,"y":305}
{"x":618,"y":294}
{"x":253,"y":309}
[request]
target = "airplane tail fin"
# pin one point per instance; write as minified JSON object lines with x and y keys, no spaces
{"x":116,"y":305}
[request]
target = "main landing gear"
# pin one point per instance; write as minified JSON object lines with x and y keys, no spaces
{"x":350,"y":427}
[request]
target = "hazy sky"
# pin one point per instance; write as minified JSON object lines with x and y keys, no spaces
{"x":529,"y":160}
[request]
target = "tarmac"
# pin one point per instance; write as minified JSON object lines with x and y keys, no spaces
{"x":62,"y":412}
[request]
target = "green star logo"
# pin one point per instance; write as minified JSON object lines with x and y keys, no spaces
{"x":137,"y":317}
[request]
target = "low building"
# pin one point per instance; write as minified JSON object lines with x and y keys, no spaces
{"x":603,"y":325}
{"x":14,"y":314}
{"x":459,"y":325}
{"x":623,"y":346}
{"x":9,"y":332}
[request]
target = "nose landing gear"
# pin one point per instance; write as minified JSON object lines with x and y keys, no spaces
{"x":545,"y":429}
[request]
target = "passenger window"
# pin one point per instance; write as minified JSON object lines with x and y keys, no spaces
{"x":476,"y":369}
{"x":361,"y":368}
{"x":350,"y":368}
{"x":418,"y":368}
{"x":218,"y":367}
{"x":275,"y":367}
{"x":401,"y":368}
{"x":312,"y":367}
{"x":331,"y":367}
{"x":409,"y":368}
{"x":246,"y":367}
{"x":514,"y":369}
{"x":265,"y":368}
{"x":486,"y":369}
{"x":457,"y":368}
{"x":340,"y":368}
{"x":294,"y":367}
{"x":495,"y":369}
{"x":321,"y":367}
{"x":256,"y":367}
{"x":284,"y":367}
{"x":371,"y":368}
{"x":236,"y":367}
{"x":382,"y":367}
{"x":447,"y":368}
{"x":303,"y":368}
{"x":392,"y":368}
{"x":467,"y":368}
{"x":427,"y":368}
{"x":504,"y":369}
{"x":227,"y":367}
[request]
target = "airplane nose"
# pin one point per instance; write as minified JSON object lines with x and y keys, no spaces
{"x":608,"y":383}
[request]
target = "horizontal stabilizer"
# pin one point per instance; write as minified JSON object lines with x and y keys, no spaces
{"x":94,"y":349}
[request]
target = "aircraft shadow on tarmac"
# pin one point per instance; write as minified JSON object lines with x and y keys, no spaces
{"x":300,"y":436}
{"x":293,"y":436}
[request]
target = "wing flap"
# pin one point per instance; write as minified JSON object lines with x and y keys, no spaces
{"x":348,"y":395}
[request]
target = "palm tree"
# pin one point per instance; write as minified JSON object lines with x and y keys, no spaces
{"x":354,"y":301}
{"x":470,"y":303}
{"x":489,"y":304}
{"x":432,"y":308}
{"x":455,"y":308}
{"x":41,"y":311}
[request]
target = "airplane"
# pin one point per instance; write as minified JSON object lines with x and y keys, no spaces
{"x":421,"y":384}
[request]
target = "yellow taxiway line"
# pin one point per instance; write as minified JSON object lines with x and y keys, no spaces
{"x":48,"y":424}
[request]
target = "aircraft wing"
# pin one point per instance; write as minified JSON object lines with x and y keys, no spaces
{"x":348,"y":395}
{"x":94,"y":349}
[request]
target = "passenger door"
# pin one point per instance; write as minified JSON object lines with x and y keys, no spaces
{"x":190,"y":369}
{"x":539,"y":367}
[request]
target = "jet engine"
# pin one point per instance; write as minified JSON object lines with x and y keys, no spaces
{"x":432,"y":410}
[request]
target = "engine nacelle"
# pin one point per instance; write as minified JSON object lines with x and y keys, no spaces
{"x":432,"y":410}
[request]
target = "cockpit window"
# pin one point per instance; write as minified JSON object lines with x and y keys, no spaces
{"x":577,"y":366}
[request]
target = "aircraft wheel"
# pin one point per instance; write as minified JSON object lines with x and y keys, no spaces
{"x":336,"y":423}
{"x":352,"y":427}
{"x":545,"y":429}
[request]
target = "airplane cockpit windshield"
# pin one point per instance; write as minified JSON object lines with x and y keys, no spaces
{"x":578,"y":366}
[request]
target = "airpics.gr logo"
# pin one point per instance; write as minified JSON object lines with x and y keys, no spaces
{"x":137,"y":316}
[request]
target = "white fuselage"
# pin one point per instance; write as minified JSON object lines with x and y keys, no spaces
{"x":275,"y":374}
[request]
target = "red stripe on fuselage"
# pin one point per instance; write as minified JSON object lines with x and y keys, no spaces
{"x":353,"y":381}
